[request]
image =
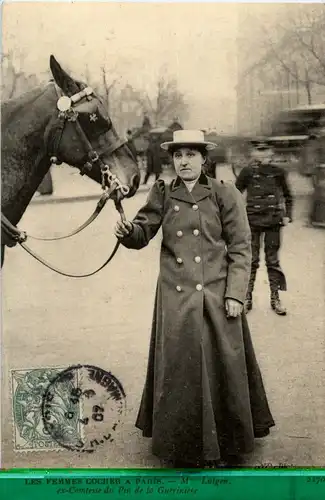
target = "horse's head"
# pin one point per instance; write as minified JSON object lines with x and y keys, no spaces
{"x":82,"y":135}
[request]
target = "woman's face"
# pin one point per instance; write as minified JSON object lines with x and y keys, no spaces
{"x":188,"y":163}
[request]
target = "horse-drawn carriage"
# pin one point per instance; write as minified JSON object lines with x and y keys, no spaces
{"x":292,"y":137}
{"x":232,"y":150}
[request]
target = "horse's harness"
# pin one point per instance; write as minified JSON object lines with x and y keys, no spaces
{"x":110,"y":183}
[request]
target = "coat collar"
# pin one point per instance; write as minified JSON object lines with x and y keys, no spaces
{"x":201,"y":190}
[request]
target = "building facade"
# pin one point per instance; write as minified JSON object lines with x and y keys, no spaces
{"x":283,"y":76}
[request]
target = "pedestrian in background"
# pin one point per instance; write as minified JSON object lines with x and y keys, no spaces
{"x":154,"y":163}
{"x":131,"y":144}
{"x":204,"y":400}
{"x":269,"y":207}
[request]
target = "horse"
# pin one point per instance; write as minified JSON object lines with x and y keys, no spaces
{"x":63,"y":121}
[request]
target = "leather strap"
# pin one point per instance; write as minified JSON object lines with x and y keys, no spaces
{"x":100,"y":205}
{"x":10,"y":234}
{"x":49,"y":266}
{"x":15,"y":236}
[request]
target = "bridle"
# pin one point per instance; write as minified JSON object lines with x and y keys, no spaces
{"x":67,"y":113}
{"x":109,"y":181}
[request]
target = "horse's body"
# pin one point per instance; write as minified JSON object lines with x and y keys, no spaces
{"x":27,"y":125}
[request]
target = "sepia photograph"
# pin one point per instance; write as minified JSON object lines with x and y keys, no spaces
{"x":162,"y":235}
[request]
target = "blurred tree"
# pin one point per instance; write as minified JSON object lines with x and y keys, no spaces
{"x":165,"y":103}
{"x":127,"y":105}
{"x":298,"y":46}
{"x":15,"y":80}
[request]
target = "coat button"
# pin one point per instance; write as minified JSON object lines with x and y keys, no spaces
{"x":179,"y":260}
{"x":199,"y":287}
{"x":195,"y":207}
{"x":197,"y":259}
{"x":179,"y":288}
{"x":176,"y":208}
{"x":196,"y":232}
{"x":179,"y":233}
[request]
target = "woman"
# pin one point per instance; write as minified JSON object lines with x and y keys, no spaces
{"x":204,"y":400}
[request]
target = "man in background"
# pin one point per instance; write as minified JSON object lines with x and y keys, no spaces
{"x":130,"y":143}
{"x":154,"y":163}
{"x":269,"y":208}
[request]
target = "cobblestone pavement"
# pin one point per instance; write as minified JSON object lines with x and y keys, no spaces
{"x":53,"y":321}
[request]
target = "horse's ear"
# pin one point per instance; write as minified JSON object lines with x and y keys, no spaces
{"x":62,"y":79}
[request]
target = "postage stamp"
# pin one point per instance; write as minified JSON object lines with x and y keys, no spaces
{"x":82,"y":407}
{"x":28,"y":389}
{"x":77,"y":408}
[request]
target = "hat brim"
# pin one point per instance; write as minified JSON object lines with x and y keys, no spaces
{"x":208,"y":145}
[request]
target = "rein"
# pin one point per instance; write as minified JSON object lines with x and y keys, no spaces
{"x":110,"y":183}
{"x":99,"y":207}
{"x":14,"y":235}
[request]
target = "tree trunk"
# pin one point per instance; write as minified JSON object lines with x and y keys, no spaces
{"x":308,"y":90}
{"x":308,"y":87}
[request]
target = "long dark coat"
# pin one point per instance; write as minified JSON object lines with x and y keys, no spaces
{"x":204,"y":390}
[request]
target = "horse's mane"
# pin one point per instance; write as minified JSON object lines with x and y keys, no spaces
{"x":10,"y":108}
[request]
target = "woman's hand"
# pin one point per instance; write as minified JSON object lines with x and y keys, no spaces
{"x":233,"y":308}
{"x":123,"y":229}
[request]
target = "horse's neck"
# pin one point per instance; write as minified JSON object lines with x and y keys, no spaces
{"x":24,"y":157}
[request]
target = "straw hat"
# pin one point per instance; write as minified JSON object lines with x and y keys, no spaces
{"x":188,"y":138}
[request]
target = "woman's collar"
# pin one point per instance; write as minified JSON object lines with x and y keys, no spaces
{"x":202,"y":179}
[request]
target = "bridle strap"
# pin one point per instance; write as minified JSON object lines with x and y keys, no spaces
{"x":99,"y":207}
{"x":20,"y":237}
{"x":55,"y":269}
{"x":63,"y":117}
{"x":63,"y":273}
{"x":11,"y":235}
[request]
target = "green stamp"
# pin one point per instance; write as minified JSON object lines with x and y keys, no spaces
{"x":28,"y":389}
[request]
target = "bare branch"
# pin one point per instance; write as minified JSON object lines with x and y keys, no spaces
{"x":107,"y":86}
{"x":165,"y":102}
{"x":286,"y":48}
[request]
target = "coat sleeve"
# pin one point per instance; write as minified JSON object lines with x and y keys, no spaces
{"x":288,"y":198}
{"x":148,"y":219}
{"x":237,"y":235}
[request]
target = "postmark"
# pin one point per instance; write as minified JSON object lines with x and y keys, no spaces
{"x":28,"y":387}
{"x":82,"y":408}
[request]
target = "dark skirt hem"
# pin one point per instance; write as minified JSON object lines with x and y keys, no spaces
{"x":261,"y":432}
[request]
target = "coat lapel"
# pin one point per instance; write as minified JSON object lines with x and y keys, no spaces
{"x":201,"y":190}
